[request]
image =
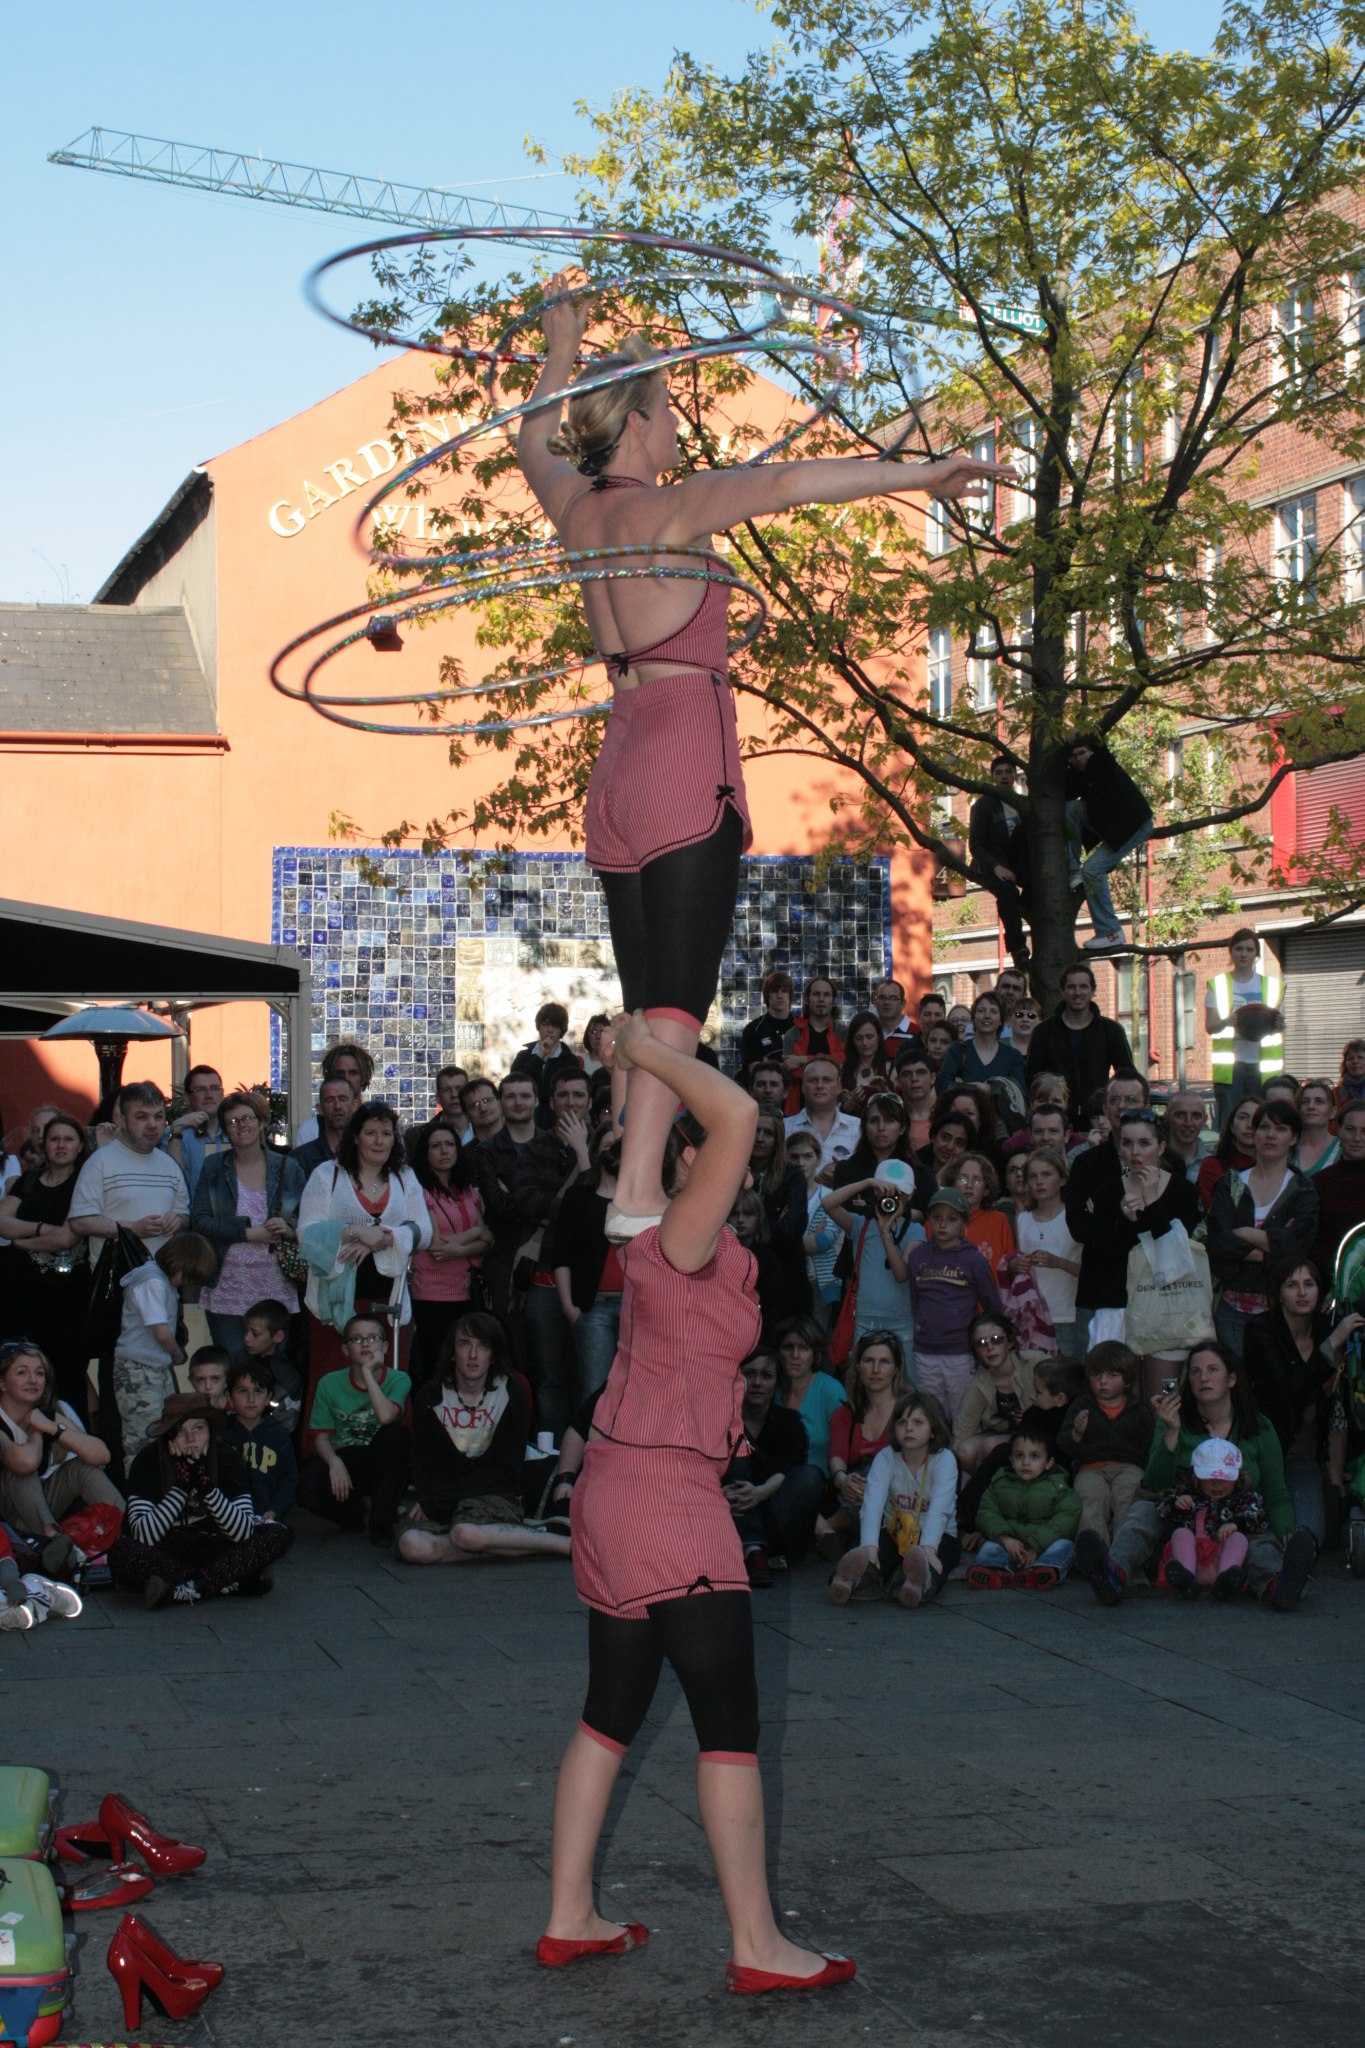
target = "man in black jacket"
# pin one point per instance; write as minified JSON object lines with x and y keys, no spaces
{"x":1118,"y":817}
{"x":998,"y":856}
{"x":1077,"y":1042}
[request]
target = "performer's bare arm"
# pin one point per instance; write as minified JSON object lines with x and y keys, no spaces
{"x":695,"y":1217}
{"x":553,"y":480}
{"x":715,"y":499}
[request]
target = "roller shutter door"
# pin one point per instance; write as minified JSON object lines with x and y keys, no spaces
{"x":1324,"y":998}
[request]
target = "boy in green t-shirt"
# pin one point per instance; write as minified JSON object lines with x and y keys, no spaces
{"x":362,"y":1446}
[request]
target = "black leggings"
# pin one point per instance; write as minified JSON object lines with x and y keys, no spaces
{"x":670,"y":923}
{"x":708,"y":1638}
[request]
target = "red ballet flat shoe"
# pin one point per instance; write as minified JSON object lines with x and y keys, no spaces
{"x":128,"y":1829}
{"x":121,"y":1884}
{"x":140,"y":1963}
{"x":837,"y":1970}
{"x":554,"y":1953}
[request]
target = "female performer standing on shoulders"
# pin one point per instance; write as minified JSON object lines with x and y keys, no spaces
{"x":666,"y":817}
{"x":663,"y":1432}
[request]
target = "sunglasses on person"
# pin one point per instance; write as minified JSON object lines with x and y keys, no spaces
{"x":14,"y":1347}
{"x":989,"y":1340}
{"x":1137,"y":1116}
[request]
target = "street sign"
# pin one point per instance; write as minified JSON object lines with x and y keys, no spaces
{"x":1002,"y":314}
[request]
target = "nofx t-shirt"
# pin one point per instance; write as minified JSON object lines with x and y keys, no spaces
{"x":470,"y":1425}
{"x":347,"y":1411}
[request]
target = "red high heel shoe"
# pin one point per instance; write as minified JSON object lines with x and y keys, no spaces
{"x":128,"y":1829}
{"x":555,"y":1953}
{"x":139,"y":1962}
{"x":837,"y":1970}
{"x":79,"y":1840}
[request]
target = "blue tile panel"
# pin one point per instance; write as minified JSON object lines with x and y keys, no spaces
{"x":449,"y":955}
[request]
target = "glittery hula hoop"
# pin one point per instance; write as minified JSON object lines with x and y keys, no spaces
{"x":552,"y":572}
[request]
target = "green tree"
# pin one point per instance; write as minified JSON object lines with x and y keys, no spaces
{"x":1180,"y":227}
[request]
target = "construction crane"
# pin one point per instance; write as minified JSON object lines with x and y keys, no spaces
{"x":284,"y":184}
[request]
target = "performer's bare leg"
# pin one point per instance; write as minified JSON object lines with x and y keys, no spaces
{"x":730,"y":1798}
{"x":587,"y":1779}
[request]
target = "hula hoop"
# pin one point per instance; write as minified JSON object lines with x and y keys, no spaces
{"x":497,"y":573}
{"x":556,"y":570}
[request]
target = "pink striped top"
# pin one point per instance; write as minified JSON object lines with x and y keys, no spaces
{"x":675,"y":1382}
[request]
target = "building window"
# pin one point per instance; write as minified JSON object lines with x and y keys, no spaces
{"x":1353,"y":542}
{"x":1213,"y":574}
{"x":980,"y":512}
{"x":1296,"y":539}
{"x":983,"y":680}
{"x":1294,"y":319}
{"x":1353,"y":322}
{"x":940,"y":664}
{"x":1211,"y":354}
{"x":1129,"y":447}
{"x":1027,"y":437}
{"x":938,"y":531}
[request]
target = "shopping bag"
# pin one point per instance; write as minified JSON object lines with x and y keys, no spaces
{"x":1170,"y":1294}
{"x":1030,"y":1319}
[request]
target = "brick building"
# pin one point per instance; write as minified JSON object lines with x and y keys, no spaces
{"x":1315,"y":499}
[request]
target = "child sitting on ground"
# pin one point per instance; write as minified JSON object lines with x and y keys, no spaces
{"x":148,"y":1348}
{"x":1214,"y":1515}
{"x":1056,"y":1383}
{"x":908,"y":1529}
{"x":265,"y":1332}
{"x":209,"y":1374}
{"x":1106,"y":1438}
{"x":264,"y":1445}
{"x":1028,"y":1520}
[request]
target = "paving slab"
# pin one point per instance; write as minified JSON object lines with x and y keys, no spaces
{"x":1036,"y":1822}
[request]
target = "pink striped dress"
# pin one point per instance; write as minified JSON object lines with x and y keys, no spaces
{"x":649,"y":1520}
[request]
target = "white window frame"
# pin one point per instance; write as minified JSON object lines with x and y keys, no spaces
{"x":983,"y":679}
{"x":1027,"y":435}
{"x":938,"y":531}
{"x":1353,"y":320}
{"x":938,"y":658}
{"x":1130,"y":448}
{"x":1353,"y":540}
{"x":1296,"y":538}
{"x":980,"y":513}
{"x":1294,"y":315}
{"x":1208,"y":373}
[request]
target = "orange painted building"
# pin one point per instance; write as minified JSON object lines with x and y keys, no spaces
{"x":153,"y":773}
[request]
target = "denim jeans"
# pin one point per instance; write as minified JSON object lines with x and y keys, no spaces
{"x":553,"y":1359}
{"x":1058,"y":1555}
{"x":1231,"y":1326}
{"x":595,"y":1337}
{"x":785,"y":1522}
{"x":1095,"y":871}
{"x":226,"y":1330}
{"x":1246,"y":1080}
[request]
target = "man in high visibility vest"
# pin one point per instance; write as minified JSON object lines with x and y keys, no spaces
{"x":1241,"y":1066}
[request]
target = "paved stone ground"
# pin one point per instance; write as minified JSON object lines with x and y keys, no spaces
{"x":1033,"y":1821}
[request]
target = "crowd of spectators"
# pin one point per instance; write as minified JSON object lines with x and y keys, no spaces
{"x":1018,"y":1319}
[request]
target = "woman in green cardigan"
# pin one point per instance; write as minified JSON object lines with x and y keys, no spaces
{"x":1214,"y":1400}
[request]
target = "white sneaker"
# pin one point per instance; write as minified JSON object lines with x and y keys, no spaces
{"x":1104,"y":942}
{"x":186,"y":1593}
{"x":23,"y":1614}
{"x":57,"y":1598}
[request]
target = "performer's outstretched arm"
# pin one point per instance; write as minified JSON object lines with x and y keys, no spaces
{"x":694,"y":1219}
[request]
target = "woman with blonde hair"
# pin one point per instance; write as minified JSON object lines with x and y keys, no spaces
{"x":666,"y":816}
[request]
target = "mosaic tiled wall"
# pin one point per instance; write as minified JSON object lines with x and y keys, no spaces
{"x":443,"y":956}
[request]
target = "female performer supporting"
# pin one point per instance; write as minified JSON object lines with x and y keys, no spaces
{"x":663,"y":1432}
{"x":666,"y":818}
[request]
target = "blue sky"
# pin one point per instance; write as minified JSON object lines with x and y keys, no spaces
{"x":147,"y":327}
